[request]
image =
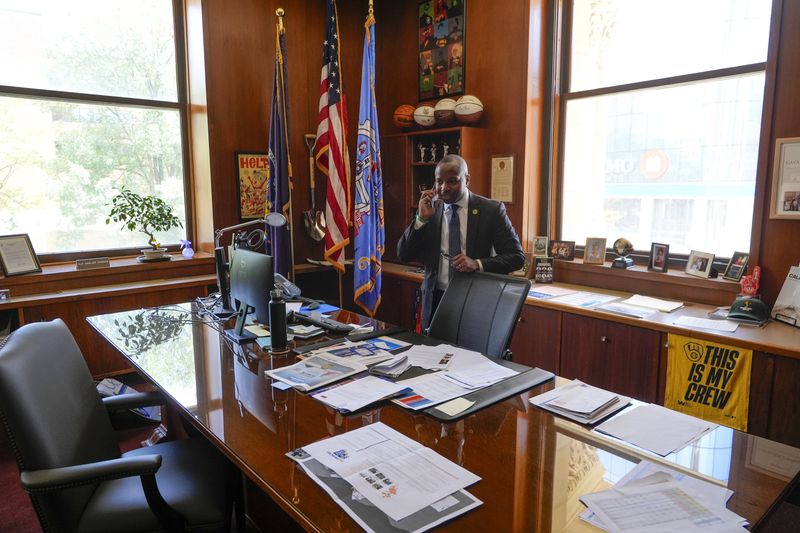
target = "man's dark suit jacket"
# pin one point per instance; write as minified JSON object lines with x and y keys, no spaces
{"x":487,"y":226}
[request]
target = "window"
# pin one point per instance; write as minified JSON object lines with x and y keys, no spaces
{"x":90,"y":101}
{"x":661,"y":121}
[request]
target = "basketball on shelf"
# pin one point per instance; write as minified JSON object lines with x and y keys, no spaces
{"x":445,"y":111}
{"x":403,"y":116}
{"x":423,"y":115}
{"x":468,"y":109}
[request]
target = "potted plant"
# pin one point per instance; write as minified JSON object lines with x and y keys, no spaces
{"x":146,"y":214}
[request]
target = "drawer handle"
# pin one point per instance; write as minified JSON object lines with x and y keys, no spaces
{"x":604,"y":339}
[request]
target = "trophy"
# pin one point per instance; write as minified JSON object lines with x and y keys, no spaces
{"x":422,"y":151}
{"x":433,"y":153}
{"x":623,"y":248}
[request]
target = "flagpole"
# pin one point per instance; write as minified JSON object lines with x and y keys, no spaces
{"x":280,"y":13}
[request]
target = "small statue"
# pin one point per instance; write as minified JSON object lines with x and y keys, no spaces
{"x":433,"y":153}
{"x":445,"y":148}
{"x":422,"y":151}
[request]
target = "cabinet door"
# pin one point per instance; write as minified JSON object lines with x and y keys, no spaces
{"x":397,"y":302}
{"x":616,"y":357}
{"x":785,"y":402}
{"x":537,"y":338}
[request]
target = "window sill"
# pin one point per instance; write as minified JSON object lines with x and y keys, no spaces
{"x":56,"y":277}
{"x":673,"y":284}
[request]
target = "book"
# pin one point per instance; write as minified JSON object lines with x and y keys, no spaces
{"x":787,"y":305}
{"x":316,"y":371}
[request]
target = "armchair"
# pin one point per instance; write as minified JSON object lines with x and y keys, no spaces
{"x":70,"y":463}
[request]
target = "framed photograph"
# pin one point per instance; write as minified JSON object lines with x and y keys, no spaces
{"x":542,"y":270}
{"x":563,"y":250}
{"x":503,"y":178}
{"x":540,"y":245}
{"x":252,"y":169}
{"x":786,"y":179}
{"x":17,"y":255}
{"x":442,"y":48}
{"x":595,"y":251}
{"x":737,"y":266}
{"x":699,"y":264}
{"x":659,"y":257}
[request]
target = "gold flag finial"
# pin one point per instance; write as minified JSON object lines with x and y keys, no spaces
{"x":280,"y":12}
{"x":370,"y":8}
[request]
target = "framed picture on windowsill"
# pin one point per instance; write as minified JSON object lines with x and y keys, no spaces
{"x":659,"y":257}
{"x":699,"y":264}
{"x":786,"y":179}
{"x":252,"y":169}
{"x":17,"y":255}
{"x":736,"y":266}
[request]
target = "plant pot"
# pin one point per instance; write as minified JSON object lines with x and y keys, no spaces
{"x":154,"y":253}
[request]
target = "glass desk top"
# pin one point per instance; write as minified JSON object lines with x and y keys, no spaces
{"x":533,"y":465}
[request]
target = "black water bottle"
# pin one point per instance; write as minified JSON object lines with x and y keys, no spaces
{"x":277,"y":321}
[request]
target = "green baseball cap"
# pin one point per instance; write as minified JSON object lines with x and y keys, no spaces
{"x":749,"y":309}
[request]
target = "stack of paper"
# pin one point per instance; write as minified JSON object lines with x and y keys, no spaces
{"x":581,"y":402}
{"x":363,"y":352}
{"x":656,"y":428}
{"x":627,"y":309}
{"x":413,"y":486}
{"x":358,"y":393}
{"x":666,"y":306}
{"x":316,"y":371}
{"x":657,"y":499}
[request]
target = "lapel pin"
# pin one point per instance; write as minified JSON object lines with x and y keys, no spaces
{"x":474,"y":211}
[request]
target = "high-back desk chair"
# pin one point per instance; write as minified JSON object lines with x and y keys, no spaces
{"x":70,"y":463}
{"x":479,"y":311}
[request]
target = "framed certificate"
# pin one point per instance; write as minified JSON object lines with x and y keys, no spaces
{"x":786,"y":179}
{"x":17,"y":255}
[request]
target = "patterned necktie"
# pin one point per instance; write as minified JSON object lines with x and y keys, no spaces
{"x":454,"y":235}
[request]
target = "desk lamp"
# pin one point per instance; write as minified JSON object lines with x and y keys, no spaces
{"x":275,"y":220}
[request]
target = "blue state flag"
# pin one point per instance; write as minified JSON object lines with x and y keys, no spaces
{"x":368,"y":206}
{"x":279,"y":243}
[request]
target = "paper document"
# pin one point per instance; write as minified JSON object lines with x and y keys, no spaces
{"x":481,"y":374}
{"x":428,"y":390}
{"x":430,"y":357}
{"x":395,"y":473}
{"x":644,"y":471}
{"x":706,"y":323}
{"x":363,"y":512}
{"x":316,"y":371}
{"x":358,"y":393}
{"x":548,"y":291}
{"x":581,"y":402}
{"x":363,"y":352}
{"x":653,"y":303}
{"x":656,"y":428}
{"x":585,"y":299}
{"x":627,"y":310}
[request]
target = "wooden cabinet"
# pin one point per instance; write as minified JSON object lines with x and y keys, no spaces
{"x":409,"y":162}
{"x":785,"y":402}
{"x":537,"y":338}
{"x":613,"y":356}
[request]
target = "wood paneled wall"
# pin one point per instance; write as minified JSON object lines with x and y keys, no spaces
{"x":239,"y":48}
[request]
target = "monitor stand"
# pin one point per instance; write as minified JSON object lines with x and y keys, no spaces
{"x":238,"y":334}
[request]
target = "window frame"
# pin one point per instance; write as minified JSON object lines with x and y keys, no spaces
{"x":560,"y":33}
{"x":180,"y":105}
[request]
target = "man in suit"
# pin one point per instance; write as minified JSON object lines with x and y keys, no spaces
{"x":463,"y":232}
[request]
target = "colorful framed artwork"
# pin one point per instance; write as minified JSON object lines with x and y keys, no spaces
{"x":252,"y":169}
{"x":659,"y":257}
{"x":442,"y":48}
{"x":540,"y":245}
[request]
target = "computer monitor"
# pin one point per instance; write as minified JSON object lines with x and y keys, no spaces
{"x":251,"y":280}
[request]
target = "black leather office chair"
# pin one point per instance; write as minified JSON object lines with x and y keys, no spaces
{"x":70,"y":463}
{"x":479,"y":311}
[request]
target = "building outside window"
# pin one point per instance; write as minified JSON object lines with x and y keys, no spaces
{"x":661,"y":121}
{"x":90,"y":101}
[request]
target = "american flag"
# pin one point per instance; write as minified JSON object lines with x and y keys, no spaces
{"x":331,"y":148}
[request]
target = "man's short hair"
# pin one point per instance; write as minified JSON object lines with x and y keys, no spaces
{"x":453,"y":159}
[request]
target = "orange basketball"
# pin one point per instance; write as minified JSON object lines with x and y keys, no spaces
{"x":403,"y":116}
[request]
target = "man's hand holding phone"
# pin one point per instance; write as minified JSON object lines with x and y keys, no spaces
{"x":427,"y":204}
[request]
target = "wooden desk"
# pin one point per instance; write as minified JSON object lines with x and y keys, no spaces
{"x":533,"y":466}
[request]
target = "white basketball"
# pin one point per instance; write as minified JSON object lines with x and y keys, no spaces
{"x":445,"y":111}
{"x":423,"y":115}
{"x":469,"y":109}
